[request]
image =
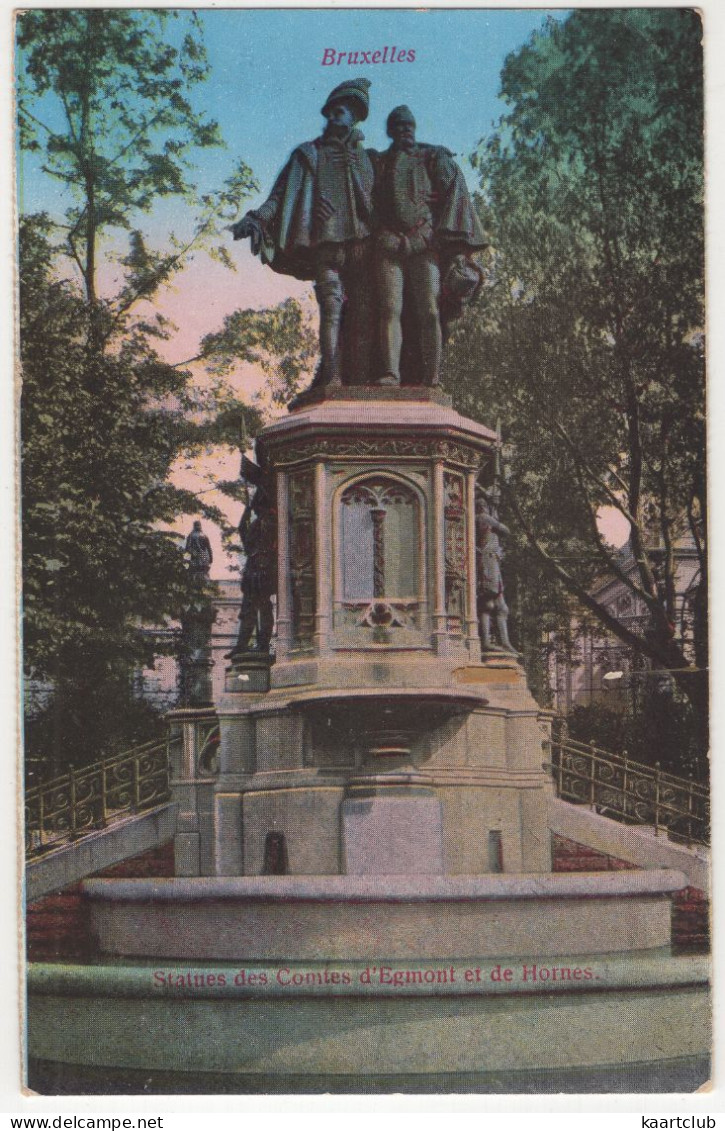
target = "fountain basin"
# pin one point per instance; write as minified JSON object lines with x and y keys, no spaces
{"x":346,"y":1028}
{"x":386,"y":723}
{"x":338,"y":918}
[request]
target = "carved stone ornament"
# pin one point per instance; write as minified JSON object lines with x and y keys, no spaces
{"x":302,"y":557}
{"x":455,"y":551}
{"x":384,"y":447}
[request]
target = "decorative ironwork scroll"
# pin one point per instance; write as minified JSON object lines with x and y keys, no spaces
{"x":631,"y":792}
{"x":80,"y":801}
{"x":208,"y":739}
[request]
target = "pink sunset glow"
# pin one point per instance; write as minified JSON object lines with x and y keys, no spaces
{"x":196,"y":303}
{"x":205,"y":292}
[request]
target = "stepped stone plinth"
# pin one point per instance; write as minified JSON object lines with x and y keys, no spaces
{"x":381,"y":761}
{"x":379,"y":784}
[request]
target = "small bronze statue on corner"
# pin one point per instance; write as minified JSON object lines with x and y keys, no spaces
{"x":258,"y":533}
{"x":491,"y":602}
{"x":198,"y":547}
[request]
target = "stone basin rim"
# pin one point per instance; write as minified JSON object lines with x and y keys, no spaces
{"x":389,"y":888}
{"x":641,"y":970}
{"x":446,"y":698}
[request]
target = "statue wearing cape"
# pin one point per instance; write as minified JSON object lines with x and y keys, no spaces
{"x":387,"y":239}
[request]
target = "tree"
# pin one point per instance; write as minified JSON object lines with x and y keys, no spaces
{"x":93,"y":487}
{"x":662,"y":725}
{"x":589,"y":341}
{"x":104,"y":98}
{"x":105,"y":104}
{"x":280,"y":341}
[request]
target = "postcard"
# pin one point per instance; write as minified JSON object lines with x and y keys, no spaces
{"x":365,"y":565}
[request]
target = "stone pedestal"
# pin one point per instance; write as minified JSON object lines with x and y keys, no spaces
{"x":377,"y":667}
{"x":195,"y":660}
{"x":376,"y":521}
{"x":248,"y":673}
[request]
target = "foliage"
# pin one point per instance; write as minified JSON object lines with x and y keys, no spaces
{"x":104,"y":98}
{"x":96,"y":565}
{"x":660,"y":731}
{"x":104,"y":103}
{"x":587,"y":344}
{"x":280,"y":341}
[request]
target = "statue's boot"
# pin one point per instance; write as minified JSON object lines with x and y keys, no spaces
{"x":331,"y":377}
{"x":330,"y":298}
{"x":318,"y":381}
{"x":247,"y":627}
{"x":266,"y":626}
{"x":486,"y":633}
{"x":503,"y":634}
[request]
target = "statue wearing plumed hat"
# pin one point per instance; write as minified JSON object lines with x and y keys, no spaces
{"x":316,"y":224}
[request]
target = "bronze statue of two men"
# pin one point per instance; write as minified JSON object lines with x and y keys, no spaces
{"x":387,"y":238}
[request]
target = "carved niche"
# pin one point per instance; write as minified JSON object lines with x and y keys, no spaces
{"x":380,"y":554}
{"x":455,"y":550}
{"x":302,"y":557}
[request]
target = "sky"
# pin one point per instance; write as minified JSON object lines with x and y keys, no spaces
{"x":266,"y":88}
{"x":268,"y":82}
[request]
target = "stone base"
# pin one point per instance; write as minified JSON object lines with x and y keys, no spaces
{"x":393,"y":832}
{"x":248,"y":672}
{"x":303,"y":1028}
{"x":289,"y":757}
{"x":335,"y":918}
{"x":681,"y":1075}
{"x":394,"y":393}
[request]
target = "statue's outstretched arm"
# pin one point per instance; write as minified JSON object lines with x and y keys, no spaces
{"x":253,"y":224}
{"x":249,"y":226}
{"x":493,"y":523}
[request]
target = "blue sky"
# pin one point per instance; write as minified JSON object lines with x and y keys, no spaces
{"x":266,"y":87}
{"x":267,"y":82}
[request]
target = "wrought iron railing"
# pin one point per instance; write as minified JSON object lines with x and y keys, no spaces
{"x":68,"y":807}
{"x":632,"y":792}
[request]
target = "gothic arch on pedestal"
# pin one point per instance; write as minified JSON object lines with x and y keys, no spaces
{"x":380,"y":569}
